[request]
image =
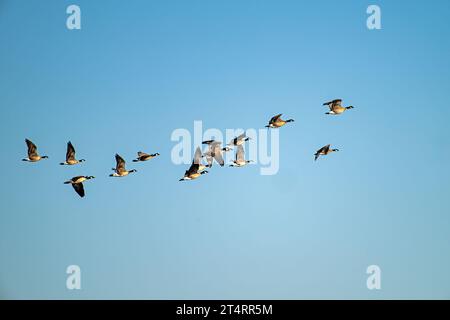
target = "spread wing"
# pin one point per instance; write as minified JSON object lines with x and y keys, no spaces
{"x":275,"y":118}
{"x":120,"y":163}
{"x":209,"y":158}
{"x":198,"y":156}
{"x":193,"y":169}
{"x":78,"y":187}
{"x":32,"y":149}
{"x":70,"y":154}
{"x":240,"y":154}
{"x":218,"y":155}
{"x":333,"y":103}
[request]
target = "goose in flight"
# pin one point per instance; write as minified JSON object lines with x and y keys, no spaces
{"x":239,"y":140}
{"x":33,"y":155}
{"x":70,"y":156}
{"x":336,"y":107}
{"x":193,"y":173}
{"x":324,"y":151}
{"x":77,"y":184}
{"x":277,"y":122}
{"x":120,"y":170}
{"x":214,"y":153}
{"x":142,"y":156}
{"x":196,"y":169}
{"x":240,"y":158}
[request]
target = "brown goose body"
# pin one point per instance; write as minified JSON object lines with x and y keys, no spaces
{"x":324,"y":151}
{"x":70,"y":156}
{"x":336,"y":107}
{"x":33,"y":155}
{"x":120,"y":170}
{"x":277,"y":122}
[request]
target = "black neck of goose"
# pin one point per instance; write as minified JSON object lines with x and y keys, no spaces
{"x":44,"y":157}
{"x":290,"y":120}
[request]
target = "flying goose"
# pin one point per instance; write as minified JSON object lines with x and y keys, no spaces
{"x":70,"y":156}
{"x":77,"y":184}
{"x":142,"y":156}
{"x":324,"y":151}
{"x":33,"y":155}
{"x":193,"y":173}
{"x":240,"y":158}
{"x":196,"y":169}
{"x":214,"y":153}
{"x":336,"y":107}
{"x":277,"y":122}
{"x":239,"y":140}
{"x":120,"y":170}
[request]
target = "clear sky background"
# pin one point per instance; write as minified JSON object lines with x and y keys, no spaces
{"x":137,"y":70}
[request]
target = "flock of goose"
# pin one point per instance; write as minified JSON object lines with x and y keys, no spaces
{"x":197,"y":168}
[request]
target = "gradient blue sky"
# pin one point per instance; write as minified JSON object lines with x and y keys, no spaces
{"x":140,"y":69}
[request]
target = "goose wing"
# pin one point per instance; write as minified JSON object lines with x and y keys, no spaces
{"x":241,"y":137}
{"x":209,"y":158}
{"x":193,"y":169}
{"x":240,"y":154}
{"x":142,"y":154}
{"x":32,"y":149}
{"x":275,"y":118}
{"x":323,"y":149}
{"x":198,"y":156}
{"x":120,"y":164}
{"x":233,"y":142}
{"x":78,"y":187}
{"x":70,"y":154}
{"x":333,"y":103}
{"x":218,"y":155}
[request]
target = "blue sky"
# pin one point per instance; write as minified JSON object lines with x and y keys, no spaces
{"x":137,"y":70}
